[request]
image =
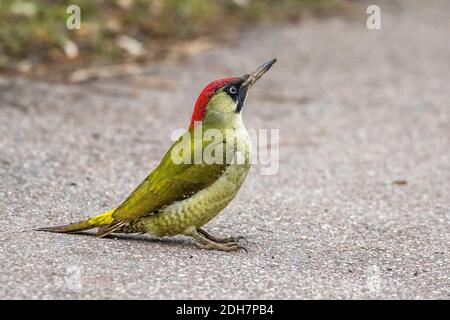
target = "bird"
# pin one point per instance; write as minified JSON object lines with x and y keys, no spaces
{"x":183,"y":192}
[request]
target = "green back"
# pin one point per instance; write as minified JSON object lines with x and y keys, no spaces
{"x":170,"y":182}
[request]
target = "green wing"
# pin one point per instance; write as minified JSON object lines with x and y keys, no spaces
{"x":168,"y":183}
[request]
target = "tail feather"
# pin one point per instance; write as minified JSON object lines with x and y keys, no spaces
{"x":97,"y":221}
{"x":104,"y":230}
{"x":72,"y":227}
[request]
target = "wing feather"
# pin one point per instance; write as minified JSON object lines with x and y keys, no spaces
{"x":168,"y":183}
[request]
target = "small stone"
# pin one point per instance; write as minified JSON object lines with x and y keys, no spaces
{"x":131,"y":45}
{"x":71,"y":49}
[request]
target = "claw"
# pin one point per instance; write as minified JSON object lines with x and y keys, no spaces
{"x":204,"y":240}
{"x":216,"y":246}
{"x":242,"y":248}
{"x":229,"y":246}
{"x":241,"y":238}
{"x":220,"y":239}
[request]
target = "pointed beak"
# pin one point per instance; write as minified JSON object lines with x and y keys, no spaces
{"x":250,"y":79}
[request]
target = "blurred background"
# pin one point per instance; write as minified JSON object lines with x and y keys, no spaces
{"x":34,"y":39}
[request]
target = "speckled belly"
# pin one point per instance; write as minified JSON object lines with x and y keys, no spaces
{"x":196,"y":210}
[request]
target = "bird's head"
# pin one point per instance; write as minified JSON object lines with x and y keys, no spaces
{"x":223,"y":99}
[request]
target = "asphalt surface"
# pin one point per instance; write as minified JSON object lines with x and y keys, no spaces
{"x":360,"y":206}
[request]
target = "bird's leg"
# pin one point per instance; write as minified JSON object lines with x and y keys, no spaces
{"x":219,"y":239}
{"x":204,"y":243}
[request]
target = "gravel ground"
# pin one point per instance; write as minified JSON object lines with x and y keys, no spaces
{"x":360,"y":207}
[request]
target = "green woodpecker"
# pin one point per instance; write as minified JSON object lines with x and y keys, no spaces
{"x":179,"y":197}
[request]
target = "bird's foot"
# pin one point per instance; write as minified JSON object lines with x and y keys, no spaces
{"x":204,"y":240}
{"x":229,"y":246}
{"x":220,"y":239}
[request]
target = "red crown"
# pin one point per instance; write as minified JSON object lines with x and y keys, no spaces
{"x":203,"y":99}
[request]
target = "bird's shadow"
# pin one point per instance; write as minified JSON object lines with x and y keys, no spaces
{"x":142,"y":238}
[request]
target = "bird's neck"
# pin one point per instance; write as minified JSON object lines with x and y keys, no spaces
{"x":222,"y":122}
{"x":233,"y":131}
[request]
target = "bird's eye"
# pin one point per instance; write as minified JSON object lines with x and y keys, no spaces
{"x":233,"y":90}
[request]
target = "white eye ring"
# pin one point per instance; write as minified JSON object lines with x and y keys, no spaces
{"x":233,"y":90}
